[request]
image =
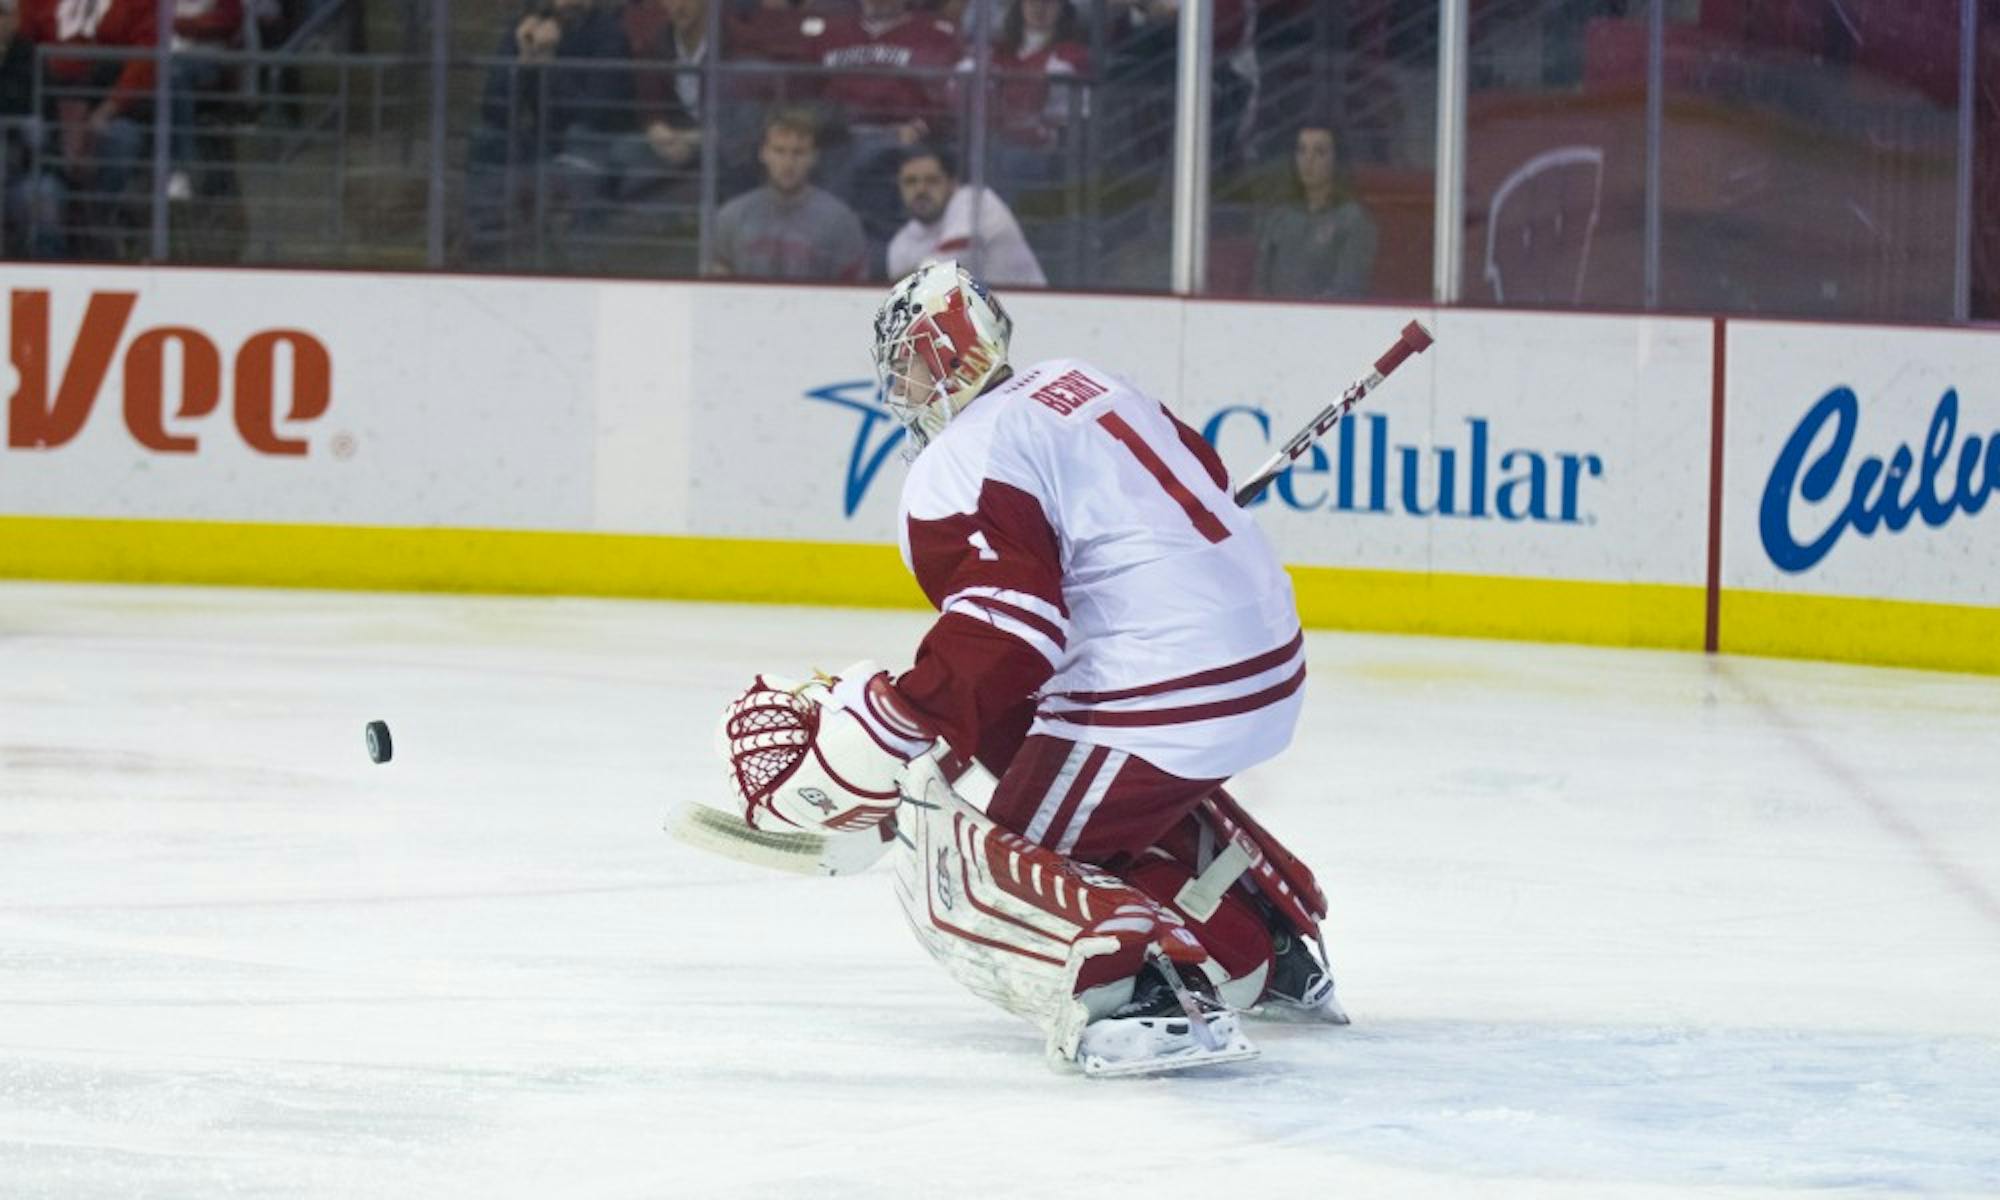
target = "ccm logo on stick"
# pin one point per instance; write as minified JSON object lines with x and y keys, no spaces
{"x":53,"y":398}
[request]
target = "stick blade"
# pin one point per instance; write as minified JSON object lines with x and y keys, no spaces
{"x":799,"y":852}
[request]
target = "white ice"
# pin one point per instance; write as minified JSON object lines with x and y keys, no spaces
{"x":1610,"y":924}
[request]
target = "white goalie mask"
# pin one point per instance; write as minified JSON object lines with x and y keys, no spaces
{"x":940,"y":338}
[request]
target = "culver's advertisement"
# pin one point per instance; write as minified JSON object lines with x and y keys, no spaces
{"x":1860,"y":462}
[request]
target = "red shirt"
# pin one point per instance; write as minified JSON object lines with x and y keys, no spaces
{"x":208,"y":22}
{"x":776,"y":35}
{"x":95,"y":23}
{"x":1031,"y":111}
{"x":885,"y":97}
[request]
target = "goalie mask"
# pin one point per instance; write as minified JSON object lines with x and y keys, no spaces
{"x":940,"y":338}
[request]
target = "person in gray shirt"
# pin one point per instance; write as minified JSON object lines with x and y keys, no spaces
{"x":1321,"y":245}
{"x":788,"y":229}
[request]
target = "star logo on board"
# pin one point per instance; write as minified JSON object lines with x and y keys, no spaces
{"x":877,"y":437}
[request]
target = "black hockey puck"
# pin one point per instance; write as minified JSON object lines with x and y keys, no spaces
{"x":379,"y":747}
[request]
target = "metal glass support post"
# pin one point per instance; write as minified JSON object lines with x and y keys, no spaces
{"x":163,"y":119}
{"x":37,"y":163}
{"x":1191,"y":102}
{"x":975,"y":141}
{"x":1448,"y":237}
{"x":711,"y":134}
{"x":1968,"y":46}
{"x":1656,"y":108}
{"x":440,"y":59}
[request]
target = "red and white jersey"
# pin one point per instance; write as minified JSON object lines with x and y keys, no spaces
{"x":208,"y":22}
{"x":90,"y":23}
{"x":868,"y":61}
{"x":976,"y":228}
{"x":1037,"y":94}
{"x":1082,"y":547}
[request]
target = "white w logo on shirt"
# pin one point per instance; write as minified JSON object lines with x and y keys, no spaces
{"x":78,"y":19}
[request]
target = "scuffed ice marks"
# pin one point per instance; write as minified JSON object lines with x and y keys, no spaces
{"x":1679,"y":1107}
{"x":1608,"y":928}
{"x":76,"y":1127}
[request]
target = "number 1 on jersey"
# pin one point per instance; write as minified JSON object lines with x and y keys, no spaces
{"x":1205,"y":521}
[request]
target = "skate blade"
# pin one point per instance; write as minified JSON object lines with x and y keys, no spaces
{"x":1237,"y":1049}
{"x":1328,"y":1012}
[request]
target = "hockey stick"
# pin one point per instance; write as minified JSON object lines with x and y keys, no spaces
{"x":805,"y":852}
{"x":1414,"y":339}
{"x":801,"y":852}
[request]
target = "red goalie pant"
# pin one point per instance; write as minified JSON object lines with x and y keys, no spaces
{"x":1113,"y":810}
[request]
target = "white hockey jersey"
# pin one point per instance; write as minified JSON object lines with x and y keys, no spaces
{"x":1082,"y":547}
{"x":976,"y":228}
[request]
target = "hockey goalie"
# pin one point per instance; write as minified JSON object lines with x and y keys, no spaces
{"x":1115,"y":639}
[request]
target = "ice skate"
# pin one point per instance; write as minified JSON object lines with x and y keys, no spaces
{"x":1300,"y":987}
{"x":1153,"y":1033}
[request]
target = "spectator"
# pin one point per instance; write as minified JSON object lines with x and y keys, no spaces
{"x":668,"y":90}
{"x":1145,"y":33}
{"x":788,"y":229}
{"x":327,"y":25}
{"x":776,"y":31}
{"x":947,"y":221}
{"x":873,"y":49}
{"x":199,"y":25}
{"x":1321,"y":245}
{"x":671,"y":38}
{"x":880,"y":97}
{"x":102,"y":106}
{"x":1039,"y":52}
{"x":545,"y":132}
{"x":34,"y":198}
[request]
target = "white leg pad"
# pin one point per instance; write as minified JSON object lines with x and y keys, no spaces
{"x":1013,"y":922}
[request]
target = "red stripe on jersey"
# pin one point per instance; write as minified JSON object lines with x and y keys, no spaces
{"x":950,"y":244}
{"x":1203,"y":452}
{"x":1205,"y":522}
{"x":1181,"y":716}
{"x":970,"y":677}
{"x":1229,"y":674}
{"x":1034,"y":621}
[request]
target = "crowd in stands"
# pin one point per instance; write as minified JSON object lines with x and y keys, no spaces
{"x":834,"y":140}
{"x":841,"y":127}
{"x":71,"y":163}
{"x":838,"y":120}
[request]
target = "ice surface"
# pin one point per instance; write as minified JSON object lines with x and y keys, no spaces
{"x":1609,"y":924}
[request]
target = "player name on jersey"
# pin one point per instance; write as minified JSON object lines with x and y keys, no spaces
{"x":1068,"y":392}
{"x":1372,"y":473}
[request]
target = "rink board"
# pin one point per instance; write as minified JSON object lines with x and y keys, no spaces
{"x":1860,"y":471}
{"x":1533,"y":476}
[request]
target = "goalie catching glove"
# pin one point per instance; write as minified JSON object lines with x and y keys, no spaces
{"x":826,"y":754}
